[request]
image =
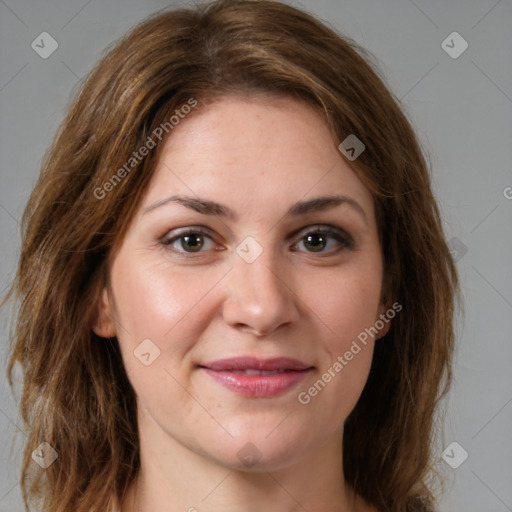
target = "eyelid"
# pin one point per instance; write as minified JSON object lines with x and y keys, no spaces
{"x":312,"y":228}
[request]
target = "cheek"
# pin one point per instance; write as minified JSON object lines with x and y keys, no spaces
{"x":346,"y":304}
{"x":345,"y":309}
{"x":163,"y":305}
{"x":168,"y":305}
{"x":155,"y":301}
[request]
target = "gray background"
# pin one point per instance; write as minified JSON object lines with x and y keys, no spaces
{"x":461,"y":109}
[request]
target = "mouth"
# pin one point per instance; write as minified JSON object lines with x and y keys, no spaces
{"x":257,"y":378}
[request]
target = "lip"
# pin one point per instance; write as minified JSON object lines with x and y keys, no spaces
{"x":230,"y":374}
{"x":255,"y":363}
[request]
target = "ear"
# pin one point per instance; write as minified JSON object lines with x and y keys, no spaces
{"x":103,"y":324}
{"x":385,"y":306}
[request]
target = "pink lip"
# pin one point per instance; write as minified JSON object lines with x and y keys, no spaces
{"x":230,"y":374}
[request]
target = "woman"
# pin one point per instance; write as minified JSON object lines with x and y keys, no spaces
{"x":234,"y":287}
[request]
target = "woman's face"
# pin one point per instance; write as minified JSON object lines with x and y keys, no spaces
{"x":202,"y":318}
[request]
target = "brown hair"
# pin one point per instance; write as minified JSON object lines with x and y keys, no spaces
{"x":76,"y":394}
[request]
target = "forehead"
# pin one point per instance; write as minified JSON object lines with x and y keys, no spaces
{"x":254,"y":152}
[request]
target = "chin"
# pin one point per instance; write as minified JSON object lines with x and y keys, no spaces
{"x":258,"y":451}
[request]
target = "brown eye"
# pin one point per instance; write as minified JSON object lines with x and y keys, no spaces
{"x":191,"y":241}
{"x":317,"y":240}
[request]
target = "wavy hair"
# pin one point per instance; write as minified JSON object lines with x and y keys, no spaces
{"x":76,"y":394}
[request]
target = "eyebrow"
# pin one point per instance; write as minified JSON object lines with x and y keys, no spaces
{"x":208,"y":207}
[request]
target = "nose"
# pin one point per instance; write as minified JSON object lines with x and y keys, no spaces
{"x":260,"y":296}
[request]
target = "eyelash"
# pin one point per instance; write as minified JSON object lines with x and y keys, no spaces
{"x":344,"y":239}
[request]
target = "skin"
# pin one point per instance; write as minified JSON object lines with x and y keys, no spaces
{"x":257,"y":156}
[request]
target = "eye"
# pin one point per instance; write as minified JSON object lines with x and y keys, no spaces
{"x":192,"y":241}
{"x":318,"y":239}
